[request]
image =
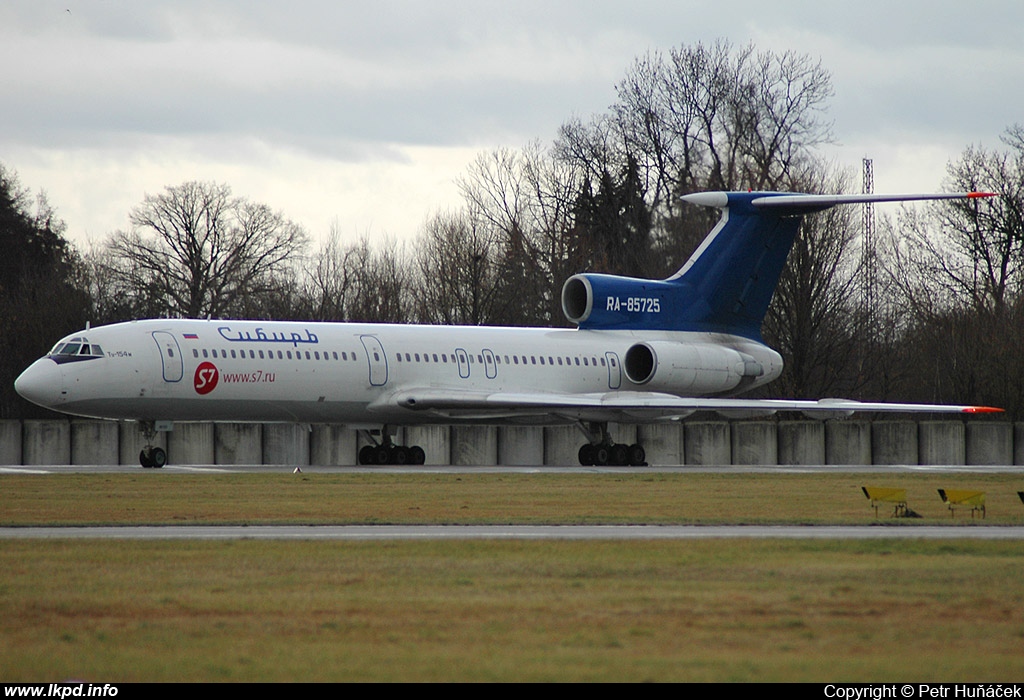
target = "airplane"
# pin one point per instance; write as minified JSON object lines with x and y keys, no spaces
{"x":643,"y":351}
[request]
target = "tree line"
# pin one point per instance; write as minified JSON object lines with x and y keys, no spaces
{"x":941,"y":319}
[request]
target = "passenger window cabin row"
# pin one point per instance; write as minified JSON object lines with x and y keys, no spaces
{"x":314,"y":355}
{"x":546,"y":360}
{"x":442,"y":358}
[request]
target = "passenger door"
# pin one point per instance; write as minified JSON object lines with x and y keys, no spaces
{"x":170,"y":356}
{"x":376,"y":358}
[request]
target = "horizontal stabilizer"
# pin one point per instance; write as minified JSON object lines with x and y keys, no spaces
{"x":806,"y":203}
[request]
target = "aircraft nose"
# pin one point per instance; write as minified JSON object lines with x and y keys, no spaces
{"x":42,"y":383}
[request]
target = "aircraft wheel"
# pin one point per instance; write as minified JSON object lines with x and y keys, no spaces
{"x":381,"y":455}
{"x":366,"y":455}
{"x":586,"y":455}
{"x":601,"y":455}
{"x":399,"y":455}
{"x":619,"y":455}
{"x":152,"y":458}
{"x":417,"y":455}
{"x":637,"y":455}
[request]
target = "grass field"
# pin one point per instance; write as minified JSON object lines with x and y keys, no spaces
{"x":153,"y":497}
{"x":744,"y":610}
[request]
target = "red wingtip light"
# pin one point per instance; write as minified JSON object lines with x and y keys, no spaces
{"x":979,"y":195}
{"x":982,"y":409}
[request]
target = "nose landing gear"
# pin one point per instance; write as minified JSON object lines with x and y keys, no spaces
{"x":151,"y":457}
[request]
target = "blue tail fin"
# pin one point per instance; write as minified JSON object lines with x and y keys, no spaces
{"x":727,"y":284}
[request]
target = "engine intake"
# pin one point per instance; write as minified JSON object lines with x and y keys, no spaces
{"x":577,"y":299}
{"x":693,"y":368}
{"x":609,"y":302}
{"x":640,"y":363}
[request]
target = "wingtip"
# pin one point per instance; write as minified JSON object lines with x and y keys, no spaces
{"x":980,"y":195}
{"x":982,"y":409}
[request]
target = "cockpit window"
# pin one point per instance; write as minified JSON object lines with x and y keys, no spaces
{"x":76,"y":346}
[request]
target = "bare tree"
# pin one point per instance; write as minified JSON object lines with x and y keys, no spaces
{"x":384,"y":284}
{"x":521,"y":202}
{"x":203,"y":250}
{"x":704,"y":117}
{"x":964,"y":253}
{"x":357,"y":282}
{"x":811,"y":320}
{"x":459,"y":265}
{"x":958,"y":266}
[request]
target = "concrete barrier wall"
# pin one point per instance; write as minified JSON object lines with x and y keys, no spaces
{"x":94,"y":442}
{"x":848,"y":442}
{"x":754,"y":443}
{"x":562,"y":445}
{"x":10,"y":442}
{"x":474,"y":444}
{"x":191,"y":443}
{"x":894,"y":442}
{"x":663,"y":443}
{"x":707,"y":444}
{"x":801,"y":442}
{"x":56,"y":442}
{"x":520,"y":446}
{"x":286,"y":443}
{"x":435,"y":441}
{"x":989,"y":443}
{"x":238,"y":443}
{"x":46,"y":442}
{"x":940,"y":442}
{"x":332,"y":445}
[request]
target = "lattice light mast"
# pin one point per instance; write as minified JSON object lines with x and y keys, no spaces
{"x":868,"y":295}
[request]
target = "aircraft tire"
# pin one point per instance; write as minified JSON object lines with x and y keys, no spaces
{"x":637,"y":455}
{"x":586,"y":455}
{"x":601,"y":456}
{"x":619,"y":455}
{"x":366,"y":455}
{"x":417,"y":455}
{"x":152,"y":458}
{"x":399,"y":455}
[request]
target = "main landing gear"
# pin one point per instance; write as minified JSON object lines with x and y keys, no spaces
{"x":387,"y":452}
{"x":151,"y":457}
{"x":601,"y":451}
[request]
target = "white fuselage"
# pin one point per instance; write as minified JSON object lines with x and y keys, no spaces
{"x":193,"y":370}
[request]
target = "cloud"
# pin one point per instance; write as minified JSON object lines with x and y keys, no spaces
{"x":372,"y":104}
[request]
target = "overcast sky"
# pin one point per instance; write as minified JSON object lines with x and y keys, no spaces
{"x":365,"y":113}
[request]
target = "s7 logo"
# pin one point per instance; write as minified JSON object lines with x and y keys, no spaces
{"x":206,"y":377}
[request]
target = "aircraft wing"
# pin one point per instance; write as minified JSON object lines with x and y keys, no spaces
{"x":644,"y":406}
